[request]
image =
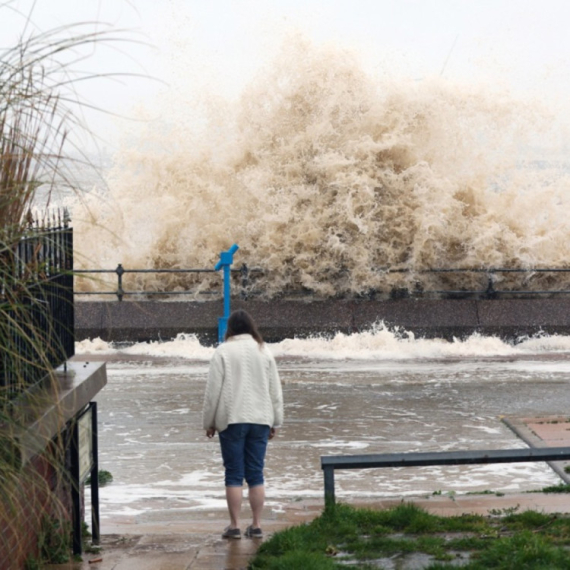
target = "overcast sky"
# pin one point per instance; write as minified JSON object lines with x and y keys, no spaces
{"x":522,"y":43}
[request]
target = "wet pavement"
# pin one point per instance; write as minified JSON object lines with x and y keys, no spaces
{"x":165,"y":469}
{"x":165,"y":509}
{"x":196,"y":544}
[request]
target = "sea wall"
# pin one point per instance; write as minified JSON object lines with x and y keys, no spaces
{"x":153,"y":320}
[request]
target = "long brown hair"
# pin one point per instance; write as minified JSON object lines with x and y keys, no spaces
{"x":241,"y":322}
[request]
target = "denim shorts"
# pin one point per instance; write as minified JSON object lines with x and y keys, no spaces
{"x":243,"y":451}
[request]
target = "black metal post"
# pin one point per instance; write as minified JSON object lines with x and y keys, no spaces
{"x":120,"y":291}
{"x":490,"y":293}
{"x":95,"y":527}
{"x":75,"y":488}
{"x":244,"y":280}
{"x":329,"y":486}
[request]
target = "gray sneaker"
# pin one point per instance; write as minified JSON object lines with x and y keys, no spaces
{"x":251,"y":532}
{"x":231,"y":533}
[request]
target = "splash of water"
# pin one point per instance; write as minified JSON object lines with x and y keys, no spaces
{"x":378,"y":343}
{"x":183,"y":346}
{"x":324,"y":174}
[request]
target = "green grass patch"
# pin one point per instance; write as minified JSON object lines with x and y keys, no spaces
{"x":562,"y":488}
{"x":346,"y":537}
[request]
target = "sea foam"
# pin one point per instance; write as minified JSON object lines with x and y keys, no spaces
{"x":377,"y":343}
{"x":326,"y":175}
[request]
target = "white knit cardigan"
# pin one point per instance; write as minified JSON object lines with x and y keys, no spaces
{"x":243,"y":386}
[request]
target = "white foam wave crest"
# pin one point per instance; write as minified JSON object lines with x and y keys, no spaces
{"x":183,"y":346}
{"x":378,"y":343}
{"x":94,"y":346}
{"x":324,"y":174}
{"x":382,"y":344}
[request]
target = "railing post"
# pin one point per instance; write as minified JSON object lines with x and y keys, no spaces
{"x":95,"y":518}
{"x":490,"y":293}
{"x":75,"y":488}
{"x":329,"y":486}
{"x":244,"y":281}
{"x":226,"y":260}
{"x":119,"y":271}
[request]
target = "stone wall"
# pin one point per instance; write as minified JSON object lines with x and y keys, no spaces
{"x":278,"y":319}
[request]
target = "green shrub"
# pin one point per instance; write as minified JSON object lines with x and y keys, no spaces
{"x":105,"y":477}
{"x":54,"y":541}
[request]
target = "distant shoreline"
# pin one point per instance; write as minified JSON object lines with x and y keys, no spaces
{"x":133,"y":321}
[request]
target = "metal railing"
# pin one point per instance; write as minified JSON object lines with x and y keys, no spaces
{"x":330,"y":463}
{"x":120,"y":292}
{"x":37,"y":307}
{"x":488,"y":290}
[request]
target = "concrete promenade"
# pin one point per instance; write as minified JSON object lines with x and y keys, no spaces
{"x":197,"y":545}
{"x":136,"y":321}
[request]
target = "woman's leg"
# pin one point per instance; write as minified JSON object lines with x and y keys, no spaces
{"x":254,"y":457}
{"x":232,"y":441}
{"x":256,"y":502}
{"x":233,"y":498}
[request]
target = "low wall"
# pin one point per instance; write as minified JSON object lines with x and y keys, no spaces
{"x":279,"y":319}
{"x":36,"y":494}
{"x":43,"y":494}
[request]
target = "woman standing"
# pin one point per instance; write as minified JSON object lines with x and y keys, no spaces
{"x":244,"y":404}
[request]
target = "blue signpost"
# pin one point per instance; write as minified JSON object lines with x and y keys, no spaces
{"x":226,"y":260}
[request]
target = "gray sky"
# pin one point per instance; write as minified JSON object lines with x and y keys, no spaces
{"x":521,"y":44}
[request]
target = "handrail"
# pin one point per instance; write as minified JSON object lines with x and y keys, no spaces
{"x":426,"y":459}
{"x":490,"y":292}
{"x":120,"y":271}
{"x":477,"y":270}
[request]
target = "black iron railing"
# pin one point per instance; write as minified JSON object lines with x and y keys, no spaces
{"x":330,"y":463}
{"x":36,"y":301}
{"x":489,"y":288}
{"x":120,"y":292}
{"x":246,"y":282}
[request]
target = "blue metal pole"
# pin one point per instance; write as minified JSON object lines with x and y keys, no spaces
{"x":227,"y":277}
{"x":226,"y":260}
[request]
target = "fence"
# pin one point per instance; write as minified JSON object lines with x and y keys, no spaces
{"x":243,"y":272}
{"x":488,"y":289}
{"x":36,"y":300}
{"x":488,"y":292}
